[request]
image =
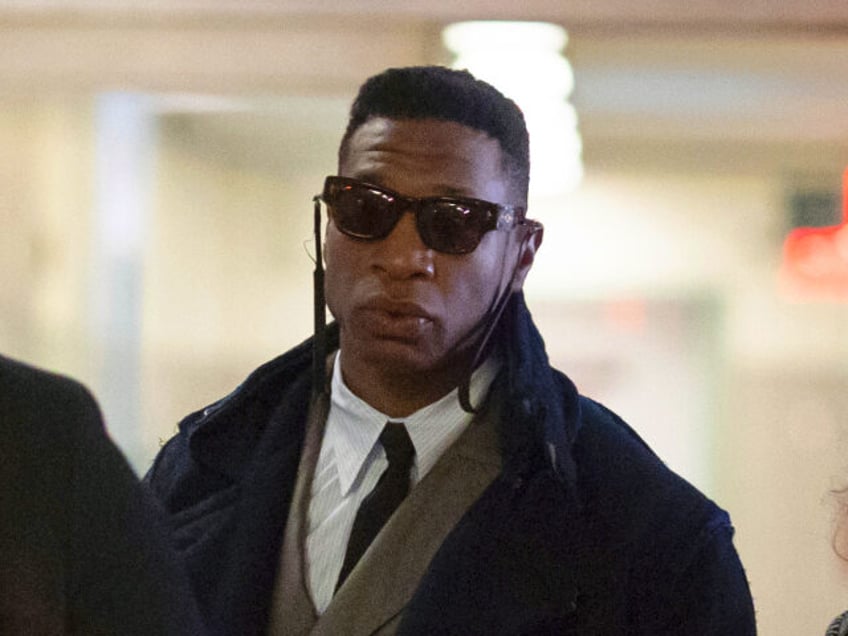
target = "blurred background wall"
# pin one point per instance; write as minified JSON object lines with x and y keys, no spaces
{"x":157,"y":163}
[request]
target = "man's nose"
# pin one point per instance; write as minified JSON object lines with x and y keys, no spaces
{"x":402,"y":253}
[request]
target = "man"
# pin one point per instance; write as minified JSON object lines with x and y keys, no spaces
{"x":530,"y":509}
{"x":81,"y":548}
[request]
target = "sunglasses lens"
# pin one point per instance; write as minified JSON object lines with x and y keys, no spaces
{"x":450,"y":227}
{"x":360,"y":211}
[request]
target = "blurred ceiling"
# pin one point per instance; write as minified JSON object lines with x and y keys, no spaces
{"x":659,"y":81}
{"x":599,"y":13}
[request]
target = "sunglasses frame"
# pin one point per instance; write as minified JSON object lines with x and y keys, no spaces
{"x":496,"y":216}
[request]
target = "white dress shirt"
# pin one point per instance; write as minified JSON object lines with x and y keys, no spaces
{"x":351,"y":461}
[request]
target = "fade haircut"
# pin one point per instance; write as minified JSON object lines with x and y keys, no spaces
{"x":437,"y":92}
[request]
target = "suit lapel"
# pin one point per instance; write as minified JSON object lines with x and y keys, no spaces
{"x":390,"y":570}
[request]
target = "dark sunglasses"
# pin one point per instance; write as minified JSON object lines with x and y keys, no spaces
{"x":453,"y":225}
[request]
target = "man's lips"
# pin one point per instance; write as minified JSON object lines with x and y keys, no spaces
{"x":399,"y":308}
{"x":397,"y":319}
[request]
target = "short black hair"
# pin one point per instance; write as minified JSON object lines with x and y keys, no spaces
{"x":437,"y":92}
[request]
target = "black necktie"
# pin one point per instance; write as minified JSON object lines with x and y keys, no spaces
{"x":381,"y":502}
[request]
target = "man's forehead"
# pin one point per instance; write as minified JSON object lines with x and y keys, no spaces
{"x":444,"y":157}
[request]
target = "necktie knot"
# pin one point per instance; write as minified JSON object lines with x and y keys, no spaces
{"x":398,"y":446}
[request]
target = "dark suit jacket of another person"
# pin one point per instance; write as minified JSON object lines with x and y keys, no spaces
{"x":82,"y":550}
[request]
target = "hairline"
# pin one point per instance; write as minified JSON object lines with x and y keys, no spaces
{"x":511,"y":169}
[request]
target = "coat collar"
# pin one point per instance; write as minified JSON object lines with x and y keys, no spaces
{"x":226,"y":434}
{"x":545,"y":416}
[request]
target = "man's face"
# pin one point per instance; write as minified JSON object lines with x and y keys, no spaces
{"x":402,"y":307}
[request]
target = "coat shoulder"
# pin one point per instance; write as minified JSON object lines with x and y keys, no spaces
{"x":677,"y":543}
{"x":629,"y":495}
{"x":613,"y":458}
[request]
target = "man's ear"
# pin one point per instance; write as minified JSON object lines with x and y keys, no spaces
{"x":530,"y":242}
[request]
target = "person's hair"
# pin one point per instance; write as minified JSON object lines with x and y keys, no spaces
{"x":437,"y":92}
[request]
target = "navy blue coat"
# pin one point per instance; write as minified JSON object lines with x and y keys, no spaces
{"x":585,"y":531}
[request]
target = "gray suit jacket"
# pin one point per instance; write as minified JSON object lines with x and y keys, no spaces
{"x":373,"y":596}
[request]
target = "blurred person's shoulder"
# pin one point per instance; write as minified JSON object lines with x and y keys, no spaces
{"x":24,"y":385}
{"x":39,"y":406}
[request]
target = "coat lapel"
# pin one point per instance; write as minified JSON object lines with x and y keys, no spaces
{"x":292,"y":610}
{"x":389,"y":572}
{"x":248,"y":564}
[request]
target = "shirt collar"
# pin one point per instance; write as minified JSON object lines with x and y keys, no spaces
{"x":354,"y":426}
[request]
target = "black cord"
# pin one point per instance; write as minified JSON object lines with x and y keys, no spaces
{"x":319,"y":347}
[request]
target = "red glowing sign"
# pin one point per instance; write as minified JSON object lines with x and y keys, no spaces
{"x":815,"y":259}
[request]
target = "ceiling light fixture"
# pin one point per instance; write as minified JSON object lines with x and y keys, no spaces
{"x":524,"y":61}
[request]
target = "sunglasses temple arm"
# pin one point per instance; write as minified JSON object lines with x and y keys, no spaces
{"x":319,"y":350}
{"x":494,"y":318}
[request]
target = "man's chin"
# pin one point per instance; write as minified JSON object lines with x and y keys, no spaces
{"x":397,"y":355}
